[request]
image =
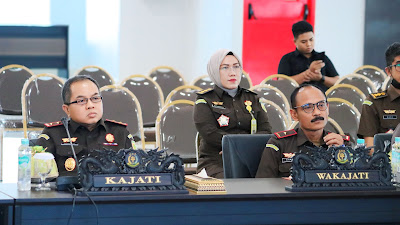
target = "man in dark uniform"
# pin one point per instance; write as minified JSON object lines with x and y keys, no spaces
{"x":310,"y":108}
{"x":83,"y":105}
{"x":380,"y":110}
{"x":306,"y":65}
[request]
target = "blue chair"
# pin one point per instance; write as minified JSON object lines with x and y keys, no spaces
{"x":241,"y":154}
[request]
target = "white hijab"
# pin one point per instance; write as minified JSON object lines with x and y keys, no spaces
{"x":215,"y":62}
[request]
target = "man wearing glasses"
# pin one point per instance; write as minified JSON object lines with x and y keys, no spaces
{"x":84,"y":108}
{"x":310,"y":109}
{"x":380,"y":110}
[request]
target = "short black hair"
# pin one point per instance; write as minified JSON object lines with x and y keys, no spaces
{"x":301,"y":27}
{"x":296,"y":91}
{"x":391,"y":52}
{"x":66,"y":91}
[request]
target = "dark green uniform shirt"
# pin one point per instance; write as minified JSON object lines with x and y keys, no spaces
{"x":277,"y":157}
{"x":379,"y":113}
{"x":215,"y":114}
{"x":108,"y":134}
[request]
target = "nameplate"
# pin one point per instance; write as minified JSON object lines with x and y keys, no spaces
{"x":350,"y":176}
{"x":131,"y":180}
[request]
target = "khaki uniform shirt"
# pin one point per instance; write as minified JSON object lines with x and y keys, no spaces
{"x":215,"y":114}
{"x":277,"y":157}
{"x":108,"y":134}
{"x":379,"y":113}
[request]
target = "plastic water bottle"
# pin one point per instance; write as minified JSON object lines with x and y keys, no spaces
{"x":360,"y":143}
{"x":24,"y":166}
{"x":395,"y":163}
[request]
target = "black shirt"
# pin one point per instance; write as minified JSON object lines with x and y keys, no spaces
{"x":107,"y":134}
{"x":294,"y":63}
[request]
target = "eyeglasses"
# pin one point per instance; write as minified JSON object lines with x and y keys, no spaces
{"x":397,"y":67}
{"x":309,"y":107}
{"x":235,"y":68}
{"x":84,"y":101}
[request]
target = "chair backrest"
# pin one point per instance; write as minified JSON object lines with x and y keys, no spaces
{"x":102,"y":77}
{"x":375,"y":74}
{"x":185,"y":92}
{"x":348,"y":92}
{"x":176,"y":131}
{"x":149,"y":94}
{"x":41,"y":100}
{"x":273,"y":94}
{"x":276,"y":117}
{"x":383,"y":141}
{"x":241,"y":154}
{"x":168,"y":78}
{"x":245,"y":81}
{"x":204,"y":82}
{"x":12,"y":79}
{"x":346,"y":115}
{"x":386,"y":83}
{"x":361,"y":82}
{"x":122,"y":105}
{"x":332,"y":126}
{"x":284,"y":83}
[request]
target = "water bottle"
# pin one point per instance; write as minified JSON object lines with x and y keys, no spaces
{"x":360,"y":143}
{"x":395,"y":163}
{"x":24,"y":166}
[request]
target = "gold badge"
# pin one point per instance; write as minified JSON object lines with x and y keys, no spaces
{"x":217,"y":103}
{"x":389,"y":111}
{"x":110,"y":138}
{"x":248,"y":105}
{"x":70,"y":164}
{"x":66,"y":140}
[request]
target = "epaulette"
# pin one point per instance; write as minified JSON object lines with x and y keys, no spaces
{"x":379,"y":95}
{"x":285,"y":133}
{"x":202,"y":92}
{"x":250,"y":91}
{"x":53,"y":124}
{"x":117,"y":122}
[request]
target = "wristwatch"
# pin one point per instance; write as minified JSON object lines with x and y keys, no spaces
{"x":322,"y":78}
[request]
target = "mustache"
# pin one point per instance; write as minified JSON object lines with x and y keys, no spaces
{"x":317,"y":118}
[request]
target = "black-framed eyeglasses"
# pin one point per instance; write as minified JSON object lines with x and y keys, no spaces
{"x":84,"y":101}
{"x":397,"y":67}
{"x":309,"y":107}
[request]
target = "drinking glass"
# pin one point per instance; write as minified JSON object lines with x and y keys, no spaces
{"x":43,"y":164}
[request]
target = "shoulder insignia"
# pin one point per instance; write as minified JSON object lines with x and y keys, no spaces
{"x":53,"y":124}
{"x":249,"y":91}
{"x":379,"y":95}
{"x":204,"y":91}
{"x":345,"y":137}
{"x":198,"y":101}
{"x":263,"y":106}
{"x":117,"y":122}
{"x":285,"y":133}
{"x":45,"y":136}
{"x":272,"y":146}
{"x":366,"y":102}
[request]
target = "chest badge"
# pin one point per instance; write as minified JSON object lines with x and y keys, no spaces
{"x":110,"y":140}
{"x":65,"y":141}
{"x":70,"y":164}
{"x":287,"y":157}
{"x":223,"y":121}
{"x":248,"y":105}
{"x":389,"y":111}
{"x":217,"y":103}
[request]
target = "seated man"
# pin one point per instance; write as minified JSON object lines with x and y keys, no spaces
{"x":380,"y":110}
{"x":306,"y":65}
{"x":83,"y":105}
{"x":310,"y":108}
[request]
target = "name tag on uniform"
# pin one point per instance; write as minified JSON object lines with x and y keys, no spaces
{"x":218,"y":107}
{"x":389,"y":117}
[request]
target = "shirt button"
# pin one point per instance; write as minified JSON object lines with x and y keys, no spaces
{"x":237,"y":110}
{"x":238,"y":123}
{"x":233,"y":100}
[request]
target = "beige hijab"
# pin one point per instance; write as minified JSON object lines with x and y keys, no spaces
{"x":215,"y":62}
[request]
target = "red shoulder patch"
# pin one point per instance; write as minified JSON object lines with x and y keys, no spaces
{"x":53,"y":124}
{"x":117,"y":122}
{"x":285,"y":133}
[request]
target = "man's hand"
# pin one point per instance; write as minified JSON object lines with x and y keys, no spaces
{"x":316,"y":66}
{"x":311,"y":76}
{"x":333,"y":139}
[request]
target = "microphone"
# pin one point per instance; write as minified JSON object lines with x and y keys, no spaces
{"x":68,"y":182}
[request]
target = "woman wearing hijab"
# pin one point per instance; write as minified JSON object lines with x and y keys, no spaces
{"x":225,"y":109}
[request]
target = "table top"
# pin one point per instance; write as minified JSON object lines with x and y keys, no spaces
{"x":237,"y":189}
